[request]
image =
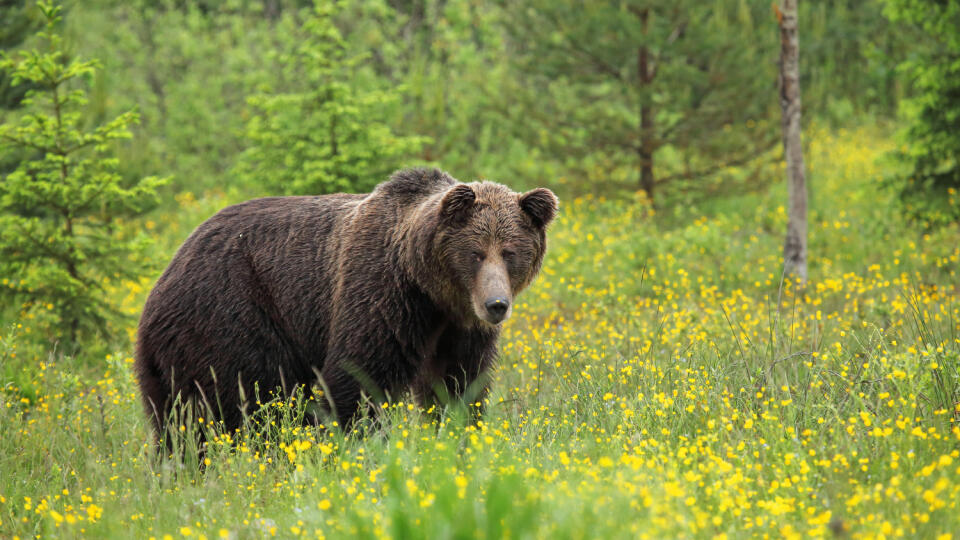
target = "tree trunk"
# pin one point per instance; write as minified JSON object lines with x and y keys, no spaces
{"x":795,"y":246}
{"x":645,"y":76}
{"x":271,"y":10}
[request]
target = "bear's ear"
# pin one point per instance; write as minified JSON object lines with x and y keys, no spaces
{"x":540,"y":204}
{"x":457,"y":202}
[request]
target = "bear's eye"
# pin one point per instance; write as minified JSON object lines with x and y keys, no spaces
{"x":479,"y":256}
{"x":507,"y":254}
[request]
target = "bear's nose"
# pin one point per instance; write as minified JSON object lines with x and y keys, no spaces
{"x":497,"y":308}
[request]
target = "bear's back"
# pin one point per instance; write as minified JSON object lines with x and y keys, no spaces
{"x":411,"y":185}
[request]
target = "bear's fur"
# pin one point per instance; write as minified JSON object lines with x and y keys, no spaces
{"x":402,"y":288}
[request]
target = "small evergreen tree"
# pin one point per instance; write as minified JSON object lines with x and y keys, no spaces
{"x":932,"y":193}
{"x":61,"y":242}
{"x":322,"y":134}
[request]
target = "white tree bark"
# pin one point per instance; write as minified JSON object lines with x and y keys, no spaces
{"x":795,"y":246}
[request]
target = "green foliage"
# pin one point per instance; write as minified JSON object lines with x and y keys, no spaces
{"x":61,"y":239}
{"x":469,"y":77}
{"x":17,"y":26}
{"x":701,"y":73}
{"x":848,"y":59}
{"x":187,"y":70}
{"x":313,"y":132}
{"x":930,"y":194}
{"x":453,"y":63}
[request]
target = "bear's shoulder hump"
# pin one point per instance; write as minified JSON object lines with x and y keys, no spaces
{"x":420,"y":181}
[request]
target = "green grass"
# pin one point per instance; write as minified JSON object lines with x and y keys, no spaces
{"x":656,"y":381}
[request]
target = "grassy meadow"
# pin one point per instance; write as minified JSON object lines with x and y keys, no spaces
{"x":658,"y":380}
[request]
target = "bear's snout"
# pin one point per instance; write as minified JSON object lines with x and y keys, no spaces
{"x":497,"y":308}
{"x":492,"y":294}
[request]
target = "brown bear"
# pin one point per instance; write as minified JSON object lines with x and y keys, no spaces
{"x":402,"y":288}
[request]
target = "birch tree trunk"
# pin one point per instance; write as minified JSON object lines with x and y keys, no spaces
{"x":795,"y":246}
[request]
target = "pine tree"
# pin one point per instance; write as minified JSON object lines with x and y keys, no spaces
{"x":61,"y":241}
{"x":321,"y":134}
{"x":614,"y":86}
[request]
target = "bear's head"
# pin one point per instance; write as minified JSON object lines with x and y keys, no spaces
{"x":490,"y":243}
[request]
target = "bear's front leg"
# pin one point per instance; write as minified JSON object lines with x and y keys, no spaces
{"x":460,"y":369}
{"x":342,"y":394}
{"x":363,"y":369}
